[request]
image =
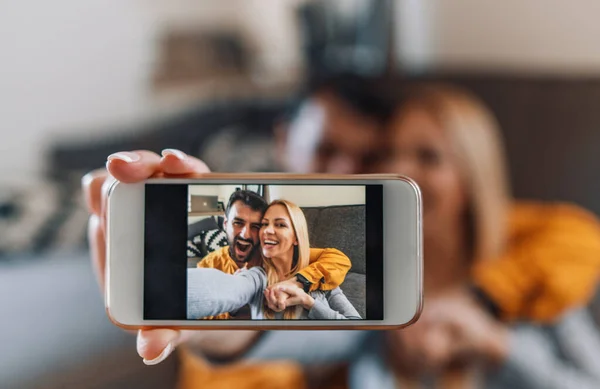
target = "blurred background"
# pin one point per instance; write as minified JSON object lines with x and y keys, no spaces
{"x":80,"y":80}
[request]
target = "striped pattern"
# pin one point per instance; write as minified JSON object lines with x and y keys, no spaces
{"x":206,"y":242}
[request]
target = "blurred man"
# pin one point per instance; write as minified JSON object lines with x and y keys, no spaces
{"x":337,"y":127}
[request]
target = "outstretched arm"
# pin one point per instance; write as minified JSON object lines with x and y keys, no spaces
{"x":211,"y":292}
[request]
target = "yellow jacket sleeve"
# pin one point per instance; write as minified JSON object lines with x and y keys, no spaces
{"x":327,"y":269}
{"x":551,"y":264}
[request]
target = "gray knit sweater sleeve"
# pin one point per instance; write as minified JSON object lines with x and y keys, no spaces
{"x":564,"y":356}
{"x":212,"y":292}
{"x":337,"y":307}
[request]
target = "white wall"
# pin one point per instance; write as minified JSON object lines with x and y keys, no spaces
{"x":195,"y":219}
{"x":269,"y":25}
{"x":549,"y":36}
{"x":68,"y":66}
{"x":319,"y":196}
{"x":223,"y":192}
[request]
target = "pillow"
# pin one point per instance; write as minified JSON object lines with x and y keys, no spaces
{"x":206,"y":242}
{"x":210,"y":223}
{"x":194,"y":247}
{"x":214,"y":240}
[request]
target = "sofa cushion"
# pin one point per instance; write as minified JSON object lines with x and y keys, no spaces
{"x":340,"y":227}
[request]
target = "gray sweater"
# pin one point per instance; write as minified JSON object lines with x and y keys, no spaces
{"x":212,"y":292}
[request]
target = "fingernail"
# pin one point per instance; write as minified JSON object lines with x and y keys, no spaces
{"x":124,"y":156}
{"x":174,"y":152}
{"x":90,"y":176}
{"x":165,"y":353}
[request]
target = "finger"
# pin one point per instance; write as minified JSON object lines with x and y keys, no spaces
{"x":271,"y":301}
{"x":154,"y":346}
{"x":176,"y":162}
{"x":267,"y":293}
{"x":292,"y":291}
{"x":91,"y":185}
{"x":97,"y":248}
{"x":133,"y":166}
{"x":279,"y":295}
{"x":281,"y":301}
{"x":292,"y":301}
{"x":439,"y":350}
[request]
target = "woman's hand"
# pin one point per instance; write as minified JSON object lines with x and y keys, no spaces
{"x":474,"y":332}
{"x":275,"y":297}
{"x":135,"y":166}
{"x":452,"y":329}
{"x":296,"y":296}
{"x":419,"y":349}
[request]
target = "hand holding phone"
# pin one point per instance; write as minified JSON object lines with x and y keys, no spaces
{"x":153,"y":345}
{"x":335,"y":234}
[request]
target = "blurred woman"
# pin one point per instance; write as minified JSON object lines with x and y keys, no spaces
{"x":285,"y":250}
{"x":447,"y":141}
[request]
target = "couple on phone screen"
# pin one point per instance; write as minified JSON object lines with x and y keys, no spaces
{"x":268,"y":267}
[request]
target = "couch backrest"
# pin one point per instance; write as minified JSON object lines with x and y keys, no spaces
{"x":340,"y":227}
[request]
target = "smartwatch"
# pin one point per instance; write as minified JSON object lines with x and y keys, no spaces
{"x":306,"y":284}
{"x":487,"y":303}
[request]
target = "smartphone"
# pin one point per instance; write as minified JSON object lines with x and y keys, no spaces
{"x":200,"y":252}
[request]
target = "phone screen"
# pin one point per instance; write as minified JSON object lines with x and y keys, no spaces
{"x":211,"y":251}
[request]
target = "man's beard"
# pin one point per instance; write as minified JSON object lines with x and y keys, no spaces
{"x":250,"y":253}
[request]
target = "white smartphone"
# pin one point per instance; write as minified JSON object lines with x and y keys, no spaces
{"x":208,"y":252}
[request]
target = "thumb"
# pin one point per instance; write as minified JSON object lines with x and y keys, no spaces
{"x":154,"y":346}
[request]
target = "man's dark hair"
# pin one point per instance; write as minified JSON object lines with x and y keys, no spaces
{"x":249,"y":198}
{"x":367,"y":95}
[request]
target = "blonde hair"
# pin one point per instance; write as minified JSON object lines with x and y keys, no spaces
{"x":300,"y":228}
{"x":475,"y":136}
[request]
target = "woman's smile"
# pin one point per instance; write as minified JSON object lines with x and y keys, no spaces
{"x":277,"y":235}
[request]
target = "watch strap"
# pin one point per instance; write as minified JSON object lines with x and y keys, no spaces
{"x":306,"y":284}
